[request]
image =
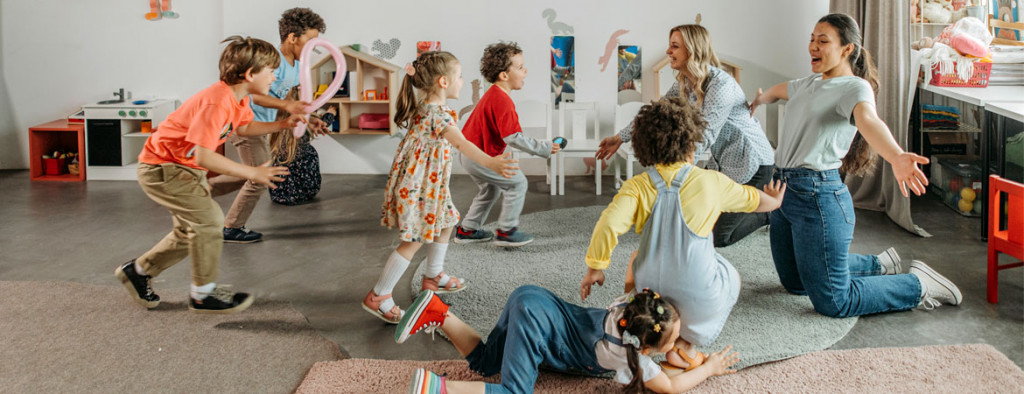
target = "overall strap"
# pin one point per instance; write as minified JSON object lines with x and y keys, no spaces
{"x":677,"y":182}
{"x":656,"y":179}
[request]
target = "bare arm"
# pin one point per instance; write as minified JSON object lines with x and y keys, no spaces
{"x":292,"y":106}
{"x":503,"y":165}
{"x":774,"y":93}
{"x":771,"y":197}
{"x":260,"y":128}
{"x":215,"y":162}
{"x":904,"y":164}
{"x":718,"y":363}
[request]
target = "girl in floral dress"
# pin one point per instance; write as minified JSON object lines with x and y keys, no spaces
{"x":417,"y":199}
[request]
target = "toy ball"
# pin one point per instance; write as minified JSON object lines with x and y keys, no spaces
{"x":561,"y":141}
{"x":956,"y":200}
{"x":947,"y":196}
{"x":956,"y":184}
{"x":967,"y":194}
{"x":966,"y":205}
{"x":977,"y":207}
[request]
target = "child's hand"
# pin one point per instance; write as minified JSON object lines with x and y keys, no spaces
{"x":720,"y":361}
{"x":504,"y":165}
{"x":775,"y":189}
{"x":555,"y":148}
{"x":592,"y":276}
{"x":296,"y":107}
{"x":293,"y":121}
{"x":266,"y":175}
{"x":317,"y":127}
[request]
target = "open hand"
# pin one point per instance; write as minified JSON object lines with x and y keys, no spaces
{"x":267,"y":175}
{"x":608,"y":147}
{"x":293,"y":121}
{"x":317,"y":127}
{"x":720,"y":361}
{"x":754,"y":104}
{"x":776,"y":188}
{"x":297,"y":107}
{"x":905,"y":168}
{"x":592,"y":276}
{"x":504,"y":165}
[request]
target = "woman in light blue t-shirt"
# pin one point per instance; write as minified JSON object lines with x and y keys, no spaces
{"x":812,"y":231}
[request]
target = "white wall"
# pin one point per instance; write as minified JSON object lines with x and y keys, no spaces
{"x":89,"y":49}
{"x":11,"y":152}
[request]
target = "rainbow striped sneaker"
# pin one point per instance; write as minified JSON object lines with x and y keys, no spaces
{"x":426,"y":313}
{"x":426,"y":382}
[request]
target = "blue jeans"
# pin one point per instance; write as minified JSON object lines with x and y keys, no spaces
{"x":810,"y":239}
{"x":536,"y":327}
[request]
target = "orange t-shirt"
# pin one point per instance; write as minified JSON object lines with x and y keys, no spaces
{"x":206,"y":119}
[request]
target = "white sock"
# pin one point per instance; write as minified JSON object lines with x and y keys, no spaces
{"x":435,"y":259}
{"x":393,"y":271}
{"x":139,"y":270}
{"x":200,"y":292}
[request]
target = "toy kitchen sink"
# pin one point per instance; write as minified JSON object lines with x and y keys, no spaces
{"x":114,"y":135}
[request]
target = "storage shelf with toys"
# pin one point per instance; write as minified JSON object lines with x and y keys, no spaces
{"x":55,"y":149}
{"x":365,"y":104}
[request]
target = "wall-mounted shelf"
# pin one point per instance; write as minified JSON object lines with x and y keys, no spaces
{"x":371,"y":73}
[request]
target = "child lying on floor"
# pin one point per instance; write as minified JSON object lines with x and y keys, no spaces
{"x":536,"y":327}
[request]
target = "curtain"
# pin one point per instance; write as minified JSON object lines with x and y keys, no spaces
{"x":885,"y":26}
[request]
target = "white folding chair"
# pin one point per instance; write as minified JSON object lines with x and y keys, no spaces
{"x":535,"y":119}
{"x":624,"y":115}
{"x":578,"y":122}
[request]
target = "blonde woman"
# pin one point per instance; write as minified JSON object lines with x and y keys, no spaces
{"x":737,"y":142}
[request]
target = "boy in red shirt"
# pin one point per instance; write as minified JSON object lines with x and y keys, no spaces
{"x":493,"y":125}
{"x":172,"y":171}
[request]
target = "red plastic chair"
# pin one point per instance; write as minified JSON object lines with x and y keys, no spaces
{"x":1009,"y":240}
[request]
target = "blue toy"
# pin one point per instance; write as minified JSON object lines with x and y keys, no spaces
{"x":561,"y":141}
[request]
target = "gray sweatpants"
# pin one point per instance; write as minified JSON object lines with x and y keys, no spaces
{"x":491,"y":186}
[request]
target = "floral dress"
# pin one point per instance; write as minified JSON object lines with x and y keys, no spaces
{"x":417,"y":199}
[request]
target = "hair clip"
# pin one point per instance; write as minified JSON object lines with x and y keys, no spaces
{"x":409,"y":69}
{"x":661,"y":310}
{"x":657,"y":327}
{"x":630,"y":339}
{"x":622,"y":322}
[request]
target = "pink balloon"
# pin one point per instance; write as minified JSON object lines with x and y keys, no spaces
{"x":306,"y":87}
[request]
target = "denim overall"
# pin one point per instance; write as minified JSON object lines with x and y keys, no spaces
{"x":538,"y":328}
{"x":684,"y":267}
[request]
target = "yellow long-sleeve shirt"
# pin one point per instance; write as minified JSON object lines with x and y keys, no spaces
{"x":703,"y":196}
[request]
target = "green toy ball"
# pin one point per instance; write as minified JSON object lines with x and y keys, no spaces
{"x":977,"y":207}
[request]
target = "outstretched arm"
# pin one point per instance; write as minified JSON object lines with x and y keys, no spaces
{"x":775,"y":93}
{"x":502,"y":165}
{"x":904,"y":164}
{"x":717,"y":364}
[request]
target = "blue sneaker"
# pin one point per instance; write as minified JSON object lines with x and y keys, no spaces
{"x":468,"y":236}
{"x":512,"y":238}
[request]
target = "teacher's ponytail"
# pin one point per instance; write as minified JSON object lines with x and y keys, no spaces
{"x":860,"y":158}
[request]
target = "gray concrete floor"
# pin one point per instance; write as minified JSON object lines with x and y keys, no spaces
{"x":323,"y":257}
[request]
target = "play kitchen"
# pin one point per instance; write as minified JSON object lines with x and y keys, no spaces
{"x":115,"y":132}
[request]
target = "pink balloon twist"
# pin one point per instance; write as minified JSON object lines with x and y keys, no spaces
{"x":306,"y":88}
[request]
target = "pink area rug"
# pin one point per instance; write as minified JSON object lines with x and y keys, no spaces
{"x":932,"y":369}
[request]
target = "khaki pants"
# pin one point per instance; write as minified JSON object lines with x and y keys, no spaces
{"x":253,"y":151}
{"x":198,"y":221}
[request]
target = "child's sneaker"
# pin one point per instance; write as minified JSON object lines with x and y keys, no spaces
{"x":138,"y":285}
{"x":468,"y":236}
{"x":937,"y":289}
{"x":372,"y":304}
{"x":890,"y":262}
{"x":426,"y":313}
{"x":512,"y":238}
{"x":426,"y":382}
{"x":221,"y":301}
{"x":451,"y":284}
{"x":241,"y":235}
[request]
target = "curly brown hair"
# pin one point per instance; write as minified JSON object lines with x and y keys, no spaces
{"x":297,"y":20}
{"x":497,"y":59}
{"x":667,"y":131}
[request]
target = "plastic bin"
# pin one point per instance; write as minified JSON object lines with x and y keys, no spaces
{"x":958,"y":180}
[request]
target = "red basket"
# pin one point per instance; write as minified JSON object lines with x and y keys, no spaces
{"x":978,"y":80}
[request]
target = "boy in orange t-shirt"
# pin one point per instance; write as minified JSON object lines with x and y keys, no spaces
{"x":172,"y":171}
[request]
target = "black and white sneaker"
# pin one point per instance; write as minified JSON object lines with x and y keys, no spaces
{"x":241,"y":235}
{"x":138,"y":285}
{"x":221,"y":301}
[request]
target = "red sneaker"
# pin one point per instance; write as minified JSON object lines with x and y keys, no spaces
{"x":427,"y":313}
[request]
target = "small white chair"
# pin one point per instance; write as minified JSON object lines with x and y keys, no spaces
{"x":535,"y":120}
{"x":624,"y":115}
{"x":574,"y":119}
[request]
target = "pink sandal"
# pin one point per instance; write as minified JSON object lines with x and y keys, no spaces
{"x":372,"y":304}
{"x":454,"y":285}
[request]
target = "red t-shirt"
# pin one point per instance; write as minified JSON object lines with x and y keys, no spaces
{"x":206,"y":119}
{"x":493,"y":119}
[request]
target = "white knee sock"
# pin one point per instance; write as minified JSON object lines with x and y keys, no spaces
{"x":200,"y":292}
{"x":393,"y":271}
{"x":435,"y":259}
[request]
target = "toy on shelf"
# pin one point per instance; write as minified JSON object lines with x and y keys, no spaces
{"x":368,"y":89}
